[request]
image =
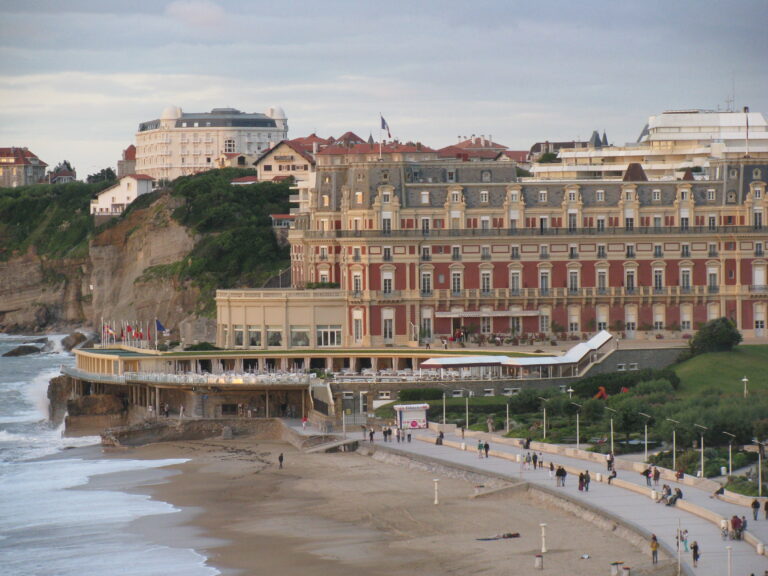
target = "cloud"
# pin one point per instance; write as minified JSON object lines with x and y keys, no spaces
{"x":197,"y":13}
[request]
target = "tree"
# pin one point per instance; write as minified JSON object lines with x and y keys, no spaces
{"x":718,"y":335}
{"x":548,"y":158}
{"x":62,"y":166}
{"x":104,"y":175}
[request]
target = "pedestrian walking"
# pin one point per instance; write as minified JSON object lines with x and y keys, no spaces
{"x":480,"y":448}
{"x":755,"y":508}
{"x":654,"y":549}
{"x":695,"y":553}
{"x":280,"y":460}
{"x":648,"y":476}
{"x":370,"y":435}
{"x":535,"y":459}
{"x":684,"y":539}
{"x":766,"y":508}
{"x":581,"y":481}
{"x":486,"y":447}
{"x":587,"y":480}
{"x":551,"y":470}
{"x":656,"y":476}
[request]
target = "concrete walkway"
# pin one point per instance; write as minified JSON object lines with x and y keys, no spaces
{"x":628,"y":499}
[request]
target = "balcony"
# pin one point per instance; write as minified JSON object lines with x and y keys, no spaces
{"x":456,"y":257}
{"x":485,"y":256}
{"x":544,"y":292}
{"x":630,"y":290}
{"x":488,"y":293}
{"x":356,"y":258}
{"x":456,"y":293}
{"x":323,"y":257}
{"x":573,"y":255}
{"x":426,"y":293}
{"x":426,"y":257}
{"x":543,"y":256}
{"x":515,"y":255}
{"x":389,"y":295}
{"x":658,"y":254}
{"x":759,"y":253}
{"x":294,"y":198}
{"x":387,"y":257}
{"x":758,"y":289}
{"x":685,"y":253}
{"x":712,"y":254}
{"x":713,"y":289}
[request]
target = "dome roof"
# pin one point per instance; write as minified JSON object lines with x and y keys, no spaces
{"x":276,"y":113}
{"x":171,"y":113}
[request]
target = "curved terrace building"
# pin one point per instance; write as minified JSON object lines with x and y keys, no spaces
{"x":180,"y":143}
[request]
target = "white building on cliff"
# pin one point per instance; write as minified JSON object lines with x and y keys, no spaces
{"x":114,"y":200}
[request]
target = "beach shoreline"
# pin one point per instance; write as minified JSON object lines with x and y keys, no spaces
{"x":335,"y":513}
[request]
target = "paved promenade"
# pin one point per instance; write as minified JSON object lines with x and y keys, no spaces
{"x":624,"y":502}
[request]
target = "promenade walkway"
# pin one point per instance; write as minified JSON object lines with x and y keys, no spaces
{"x":628,"y":499}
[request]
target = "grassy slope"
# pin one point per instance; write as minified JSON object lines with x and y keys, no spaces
{"x":723,"y":371}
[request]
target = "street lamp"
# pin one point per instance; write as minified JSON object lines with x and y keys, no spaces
{"x":544,"y":408}
{"x":647,"y":417}
{"x":674,"y":444}
{"x":578,"y":436}
{"x":745,"y":380}
{"x":443,"y":409}
{"x":760,"y":448}
{"x":730,"y":451}
{"x":730,"y":562}
{"x":612,"y":411}
{"x":570,"y":392}
{"x":437,"y":483}
{"x":702,"y":429}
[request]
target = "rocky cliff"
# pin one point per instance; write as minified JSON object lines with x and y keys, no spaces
{"x":126,"y":275}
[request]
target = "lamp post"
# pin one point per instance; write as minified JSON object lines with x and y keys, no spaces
{"x":466,"y":407}
{"x":578,"y":436}
{"x":730,"y":451}
{"x":760,"y":448}
{"x":437,"y":483}
{"x":570,"y":392}
{"x":612,"y":411}
{"x":443,"y":409}
{"x":544,"y":408}
{"x":543,"y":538}
{"x":702,"y":429}
{"x":745,"y":380}
{"x":730,"y":564}
{"x":645,"y":427}
{"x":674,"y":443}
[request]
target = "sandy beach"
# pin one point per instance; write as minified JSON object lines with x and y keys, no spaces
{"x":326,"y":514}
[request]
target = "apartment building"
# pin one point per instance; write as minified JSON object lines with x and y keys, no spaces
{"x":20,"y":167}
{"x":181,"y":143}
{"x":395,"y":246}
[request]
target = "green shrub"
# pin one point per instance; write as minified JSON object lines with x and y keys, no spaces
{"x":420,"y":394}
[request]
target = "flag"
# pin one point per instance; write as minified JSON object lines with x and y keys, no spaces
{"x":158,"y":326}
{"x":385,"y":126}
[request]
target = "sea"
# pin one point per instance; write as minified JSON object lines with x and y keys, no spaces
{"x":51,"y":523}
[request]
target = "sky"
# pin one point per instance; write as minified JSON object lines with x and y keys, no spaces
{"x":78,"y":76}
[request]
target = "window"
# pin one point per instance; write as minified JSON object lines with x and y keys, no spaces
{"x":514,"y":281}
{"x":326,"y":200}
{"x":485,"y":223}
{"x":657,"y":195}
{"x":602,"y":281}
{"x":684,"y":195}
{"x":358,"y":198}
{"x":274,"y":336}
{"x":299,"y":335}
{"x":628,"y":195}
{"x":630,"y":281}
{"x":425,"y":197}
{"x":601,"y":251}
{"x":514,"y":252}
{"x":484,"y":196}
{"x":425,"y":225}
{"x":451,"y":176}
{"x":356,"y":254}
{"x":544,"y":281}
{"x":685,"y":279}
{"x":712,"y":222}
{"x":657,"y":251}
{"x":571,"y":196}
{"x":630,"y":250}
{"x":485,"y":324}
{"x":426,"y":254}
{"x":684,"y":223}
{"x":572,"y":222}
{"x":229,"y":146}
{"x":573,"y":252}
{"x":485,"y":281}
{"x":455,"y":197}
{"x":513,"y":197}
{"x":386,"y":283}
{"x":629,"y":224}
{"x":542,"y":195}
{"x":254,"y":336}
{"x":426,"y":283}
{"x":544,"y":323}
{"x":357,"y":329}
{"x":600,"y":223}
{"x":543,"y":252}
{"x":685,"y":251}
{"x":426,"y":327}
{"x":710,"y":195}
{"x":758,"y":193}
{"x":600,"y":196}
{"x":387,"y":254}
{"x":712,"y":252}
{"x":388,"y":329}
{"x":328,"y":335}
{"x":485,"y":253}
{"x":357,"y":282}
{"x":237,"y":330}
{"x":455,"y":252}
{"x":456,"y":282}
{"x":573,"y":281}
{"x":386,"y":225}
{"x":657,"y":222}
{"x":658,"y":280}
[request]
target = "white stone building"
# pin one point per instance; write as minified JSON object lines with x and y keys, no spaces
{"x":181,"y":143}
{"x":114,"y":200}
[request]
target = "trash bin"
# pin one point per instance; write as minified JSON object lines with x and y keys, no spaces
{"x":615,"y":567}
{"x":654,"y":495}
{"x":723,"y":471}
{"x":625,"y":571}
{"x":598,"y":477}
{"x":539,"y":562}
{"x":760,"y":548}
{"x":463,"y":445}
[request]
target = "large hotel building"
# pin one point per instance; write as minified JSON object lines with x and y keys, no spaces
{"x":393,"y":246}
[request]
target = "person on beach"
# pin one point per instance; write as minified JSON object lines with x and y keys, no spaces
{"x":755,"y":508}
{"x":695,"y":553}
{"x":486,"y":447}
{"x":654,"y":549}
{"x":280,"y":460}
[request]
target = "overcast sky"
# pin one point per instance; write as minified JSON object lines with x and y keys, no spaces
{"x":77,"y":76}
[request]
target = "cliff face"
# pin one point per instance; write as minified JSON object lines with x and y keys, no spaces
{"x":125,"y":276}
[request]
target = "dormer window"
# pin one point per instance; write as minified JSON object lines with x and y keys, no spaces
{"x":628,"y":195}
{"x":358,"y":198}
{"x":542,"y":195}
{"x":455,"y":197}
{"x":451,"y":176}
{"x":684,"y":195}
{"x":758,"y":193}
{"x":572,"y":196}
{"x":711,"y":195}
{"x":484,"y":196}
{"x":326,"y":200}
{"x":385,"y":176}
{"x":513,"y":197}
{"x":657,"y":195}
{"x":425,"y":197}
{"x":385,"y":197}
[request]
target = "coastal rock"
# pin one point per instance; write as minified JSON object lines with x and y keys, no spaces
{"x":23,"y":350}
{"x":73,"y":340}
{"x":38,"y":341}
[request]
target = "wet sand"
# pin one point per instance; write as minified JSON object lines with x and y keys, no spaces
{"x":327,"y":514}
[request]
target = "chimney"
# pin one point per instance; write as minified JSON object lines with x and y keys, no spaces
{"x":314,"y":147}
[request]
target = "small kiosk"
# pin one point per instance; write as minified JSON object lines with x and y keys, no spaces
{"x":411,"y":416}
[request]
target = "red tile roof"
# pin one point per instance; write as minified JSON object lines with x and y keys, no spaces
{"x":516,"y":155}
{"x":281,"y":178}
{"x":389,"y":148}
{"x":299,"y":149}
{"x":138,"y":176}
{"x":467,"y":153}
{"x":129,"y":153}
{"x":478,"y":142}
{"x":245,"y":179}
{"x":21,"y":157}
